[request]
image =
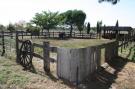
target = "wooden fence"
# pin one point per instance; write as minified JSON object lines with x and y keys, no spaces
{"x":46,"y":52}
{"x":5,"y":41}
{"x":77,"y":64}
{"x":125,"y":40}
{"x":53,"y":34}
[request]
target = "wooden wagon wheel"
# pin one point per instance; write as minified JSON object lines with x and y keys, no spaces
{"x":25,"y":54}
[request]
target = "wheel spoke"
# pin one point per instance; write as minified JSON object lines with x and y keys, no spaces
{"x":25,"y":54}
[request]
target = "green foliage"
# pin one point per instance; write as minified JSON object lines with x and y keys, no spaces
{"x":99,"y":24}
{"x":20,"y":25}
{"x":117,"y":24}
{"x":116,"y":27}
{"x":46,"y":20}
{"x":33,"y":29}
{"x":2,"y":27}
{"x":29,"y":27}
{"x":11,"y":27}
{"x":111,"y":1}
{"x":79,"y":18}
{"x":88,"y":28}
{"x":74,"y":17}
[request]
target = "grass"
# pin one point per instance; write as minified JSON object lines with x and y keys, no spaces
{"x":12,"y":76}
{"x":128,"y":52}
{"x":73,"y":43}
{"x":9,"y":77}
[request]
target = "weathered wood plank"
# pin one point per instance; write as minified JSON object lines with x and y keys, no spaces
{"x":37,"y":55}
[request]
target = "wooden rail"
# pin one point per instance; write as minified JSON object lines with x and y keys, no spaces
{"x":46,"y":52}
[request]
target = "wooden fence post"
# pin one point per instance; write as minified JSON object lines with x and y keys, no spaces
{"x":122,"y":45}
{"x":22,"y":34}
{"x":53,"y":34}
{"x":46,"y":56}
{"x":17,"y":48}
{"x":31,"y":35}
{"x":3,"y":44}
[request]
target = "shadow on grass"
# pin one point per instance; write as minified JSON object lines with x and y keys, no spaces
{"x":30,"y":69}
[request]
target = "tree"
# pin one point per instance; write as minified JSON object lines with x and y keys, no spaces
{"x":111,"y":1}
{"x":29,"y":27}
{"x":116,"y":28}
{"x":99,"y":26}
{"x":74,"y":17}
{"x":2,"y":27}
{"x":11,"y":27}
{"x":20,"y":25}
{"x":79,"y":19}
{"x":88,"y":28}
{"x":46,"y":20}
{"x":69,"y":20}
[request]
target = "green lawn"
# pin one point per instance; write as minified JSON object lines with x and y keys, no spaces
{"x":73,"y":43}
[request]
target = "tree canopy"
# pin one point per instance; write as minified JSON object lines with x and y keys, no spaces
{"x":2,"y":27}
{"x":111,"y":1}
{"x":46,"y":20}
{"x":88,"y":28}
{"x":11,"y":27}
{"x":74,"y":17}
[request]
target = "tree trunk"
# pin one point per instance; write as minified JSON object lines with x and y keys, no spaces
{"x":80,"y":32}
{"x":71,"y":29}
{"x":42,"y":31}
{"x":48,"y":33}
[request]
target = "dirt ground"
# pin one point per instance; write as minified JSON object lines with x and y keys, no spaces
{"x":118,"y":74}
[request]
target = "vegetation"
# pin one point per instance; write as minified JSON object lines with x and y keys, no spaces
{"x":2,"y":27}
{"x":99,"y":25}
{"x":73,"y":43}
{"x":46,"y":20}
{"x":11,"y":27}
{"x":74,"y":18}
{"x":20,"y":25}
{"x":88,"y":28}
{"x":11,"y":78}
{"x":111,"y":1}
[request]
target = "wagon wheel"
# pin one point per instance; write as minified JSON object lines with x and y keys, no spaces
{"x":25,"y":54}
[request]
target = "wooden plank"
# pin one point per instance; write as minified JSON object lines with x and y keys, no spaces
{"x":37,"y":55}
{"x":41,"y":57}
{"x":63,"y":63}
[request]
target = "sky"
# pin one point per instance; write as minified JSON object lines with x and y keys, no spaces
{"x":12,"y":11}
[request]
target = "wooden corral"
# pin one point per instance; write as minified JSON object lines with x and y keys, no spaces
{"x":75,"y":65}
